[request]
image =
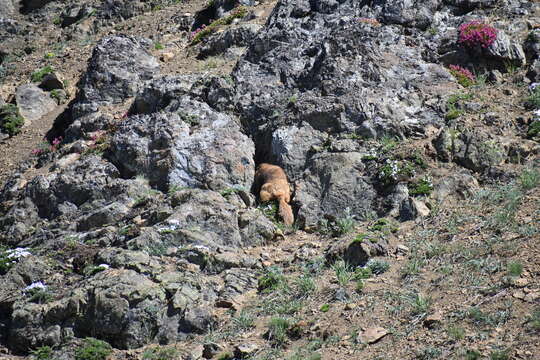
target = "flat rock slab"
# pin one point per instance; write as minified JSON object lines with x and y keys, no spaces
{"x":33,"y":102}
{"x":374,"y":334}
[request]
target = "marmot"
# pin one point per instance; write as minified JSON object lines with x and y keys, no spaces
{"x":274,"y":186}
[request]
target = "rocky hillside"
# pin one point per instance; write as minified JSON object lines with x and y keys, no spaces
{"x":130,"y":226}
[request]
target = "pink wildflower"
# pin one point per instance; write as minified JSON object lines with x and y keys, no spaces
{"x":476,"y":33}
{"x":463,"y":76}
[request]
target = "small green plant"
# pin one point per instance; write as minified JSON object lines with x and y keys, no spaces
{"x":412,"y":267}
{"x":456,"y":332}
{"x":472,"y":355}
{"x":11,"y":120}
{"x":39,"y":296}
{"x":42,"y":353}
{"x":343,"y":272}
{"x":463,"y":76}
{"x":38,"y":75}
{"x":277,"y":331}
{"x":230,"y":191}
{"x":529,"y":178}
{"x":158,"y":46}
{"x":244,"y":321}
{"x":200,"y":34}
{"x":325,"y":308}
{"x":93,"y":349}
{"x":6,"y":261}
{"x":159,"y":353}
{"x":360,"y":285}
{"x":533,"y":322}
{"x":49,"y":55}
{"x":515,"y":269}
{"x":305,"y":285}
{"x":451,"y":105}
{"x":533,"y":101}
{"x":362,"y":273}
{"x":175,"y":188}
{"x":271,"y":279}
{"x":225,"y":356}
{"x":500,"y":355}
{"x":533,"y":132}
{"x":293,"y":99}
{"x":345,"y":224}
{"x":58,"y":95}
{"x":420,"y":304}
{"x":424,"y":187}
{"x":429,"y":353}
{"x":378,"y":267}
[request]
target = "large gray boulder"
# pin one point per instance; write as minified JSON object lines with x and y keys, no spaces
{"x":6,"y":8}
{"x":221,"y":41}
{"x":119,"y":67}
{"x":315,"y":73}
{"x":332,"y":183}
{"x":33,"y":103}
{"x":189,"y":146}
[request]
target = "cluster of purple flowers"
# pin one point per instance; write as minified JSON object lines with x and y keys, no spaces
{"x":463,"y":76}
{"x":44,"y":147}
{"x":476,"y":33}
{"x":194,"y":33}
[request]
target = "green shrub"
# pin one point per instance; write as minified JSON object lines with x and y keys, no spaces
{"x":378,"y":267}
{"x":533,"y":101}
{"x":11,"y":120}
{"x":38,"y":75}
{"x":160,"y":354}
{"x":515,"y":269}
{"x":200,"y":34}
{"x":277,"y":331}
{"x":422,"y":187}
{"x":93,"y":349}
{"x":271,"y":279}
{"x":42,"y":353}
{"x":534,"y":130}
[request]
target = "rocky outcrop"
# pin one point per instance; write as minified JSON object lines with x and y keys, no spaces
{"x":118,"y":69}
{"x":190,"y":145}
{"x":6,"y":8}
{"x":140,"y":224}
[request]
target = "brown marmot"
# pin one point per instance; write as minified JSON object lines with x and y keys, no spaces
{"x":274,"y":186}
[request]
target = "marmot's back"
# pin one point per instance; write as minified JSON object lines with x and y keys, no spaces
{"x":273,"y":185}
{"x":269,"y":173}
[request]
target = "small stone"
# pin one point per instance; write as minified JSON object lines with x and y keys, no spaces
{"x":244,"y":351}
{"x":433,"y":320}
{"x":495,"y":76}
{"x":521,"y":282}
{"x":51,"y":81}
{"x":374,"y":334}
{"x":519,"y":294}
{"x":166,"y":56}
{"x":341,"y":295}
{"x":350,"y":306}
{"x":508,"y":92}
{"x":210,"y":350}
{"x":402,"y":250}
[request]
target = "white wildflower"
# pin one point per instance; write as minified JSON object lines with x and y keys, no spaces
{"x":37,"y":285}
{"x":18,"y":253}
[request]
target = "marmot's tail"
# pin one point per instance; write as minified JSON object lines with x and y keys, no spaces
{"x":285,"y":211}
